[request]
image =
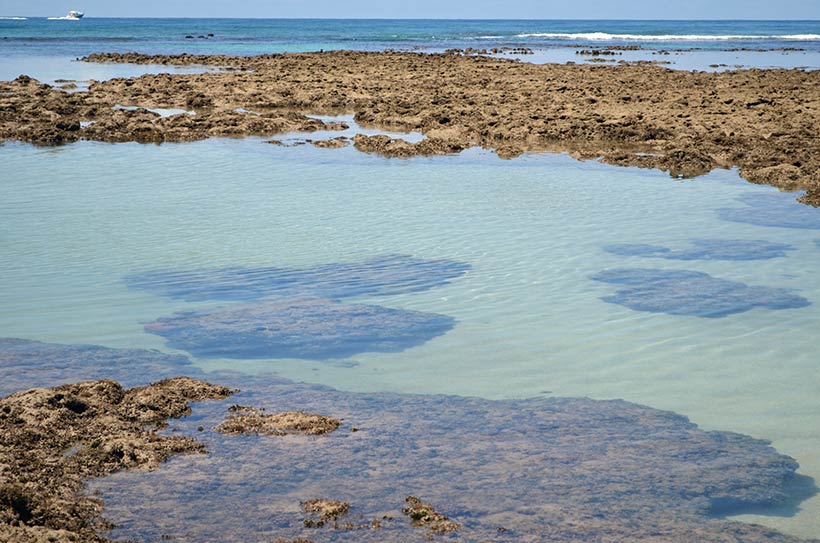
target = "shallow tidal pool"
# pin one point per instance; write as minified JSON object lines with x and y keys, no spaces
{"x":466,"y":275}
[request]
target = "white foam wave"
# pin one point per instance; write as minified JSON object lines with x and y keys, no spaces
{"x":604,"y":36}
{"x":13,"y":18}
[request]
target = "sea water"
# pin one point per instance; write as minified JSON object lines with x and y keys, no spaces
{"x":541,"y":307}
{"x":46,"y":49}
{"x":531,"y":319}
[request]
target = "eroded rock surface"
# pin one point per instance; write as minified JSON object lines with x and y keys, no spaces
{"x":54,"y":439}
{"x":399,"y":148}
{"x":687,"y":123}
{"x":425,"y":515}
{"x":251,"y":421}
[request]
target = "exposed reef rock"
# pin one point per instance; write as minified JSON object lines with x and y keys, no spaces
{"x":333,"y":143}
{"x":762,"y":121}
{"x":380,"y":276}
{"x":425,"y":515}
{"x":326,"y":509}
{"x":706,"y":249}
{"x":326,"y":512}
{"x":310,"y":328}
{"x":54,"y":439}
{"x":691,"y":293}
{"x":251,"y":421}
{"x":399,"y":148}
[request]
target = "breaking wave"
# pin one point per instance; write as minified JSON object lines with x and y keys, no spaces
{"x":604,"y":36}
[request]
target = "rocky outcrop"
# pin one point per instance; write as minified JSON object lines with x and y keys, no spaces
{"x":54,"y":439}
{"x":761,"y":121}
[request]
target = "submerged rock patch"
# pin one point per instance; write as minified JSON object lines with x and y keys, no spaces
{"x":777,"y":210}
{"x":556,"y":469}
{"x":310,"y":328}
{"x":547,"y":469}
{"x":25,"y":363}
{"x":691,"y":293}
{"x":706,"y":249}
{"x":382,"y":276}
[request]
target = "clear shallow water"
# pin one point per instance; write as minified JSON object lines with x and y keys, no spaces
{"x":61,"y":70}
{"x":530,"y":320}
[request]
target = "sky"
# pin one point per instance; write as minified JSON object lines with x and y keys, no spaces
{"x":432,"y":9}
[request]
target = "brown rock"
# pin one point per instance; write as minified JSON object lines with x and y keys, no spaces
{"x":53,"y":439}
{"x":326,"y":509}
{"x":750,"y":119}
{"x":251,"y":421}
{"x":425,"y":515}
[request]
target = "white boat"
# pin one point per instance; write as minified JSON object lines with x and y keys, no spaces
{"x":72,"y":16}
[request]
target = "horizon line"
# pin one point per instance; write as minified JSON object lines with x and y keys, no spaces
{"x":429,"y":19}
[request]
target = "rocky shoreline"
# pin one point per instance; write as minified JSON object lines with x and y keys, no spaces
{"x":687,"y":123}
{"x":55,"y":439}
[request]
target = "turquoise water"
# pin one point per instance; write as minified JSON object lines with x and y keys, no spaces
{"x":38,"y":36}
{"x":45,"y":49}
{"x":530,"y":320}
{"x":467,"y":275}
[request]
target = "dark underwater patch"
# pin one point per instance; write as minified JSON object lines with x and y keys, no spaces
{"x":691,"y":293}
{"x":706,"y":249}
{"x":778,"y":210}
{"x":382,"y":276}
{"x":554,"y":469}
{"x":309,"y":328}
{"x":559,"y":469}
{"x":25,"y":364}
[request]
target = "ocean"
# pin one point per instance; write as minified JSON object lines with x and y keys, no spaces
{"x":259,"y":36}
{"x":509,"y":280}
